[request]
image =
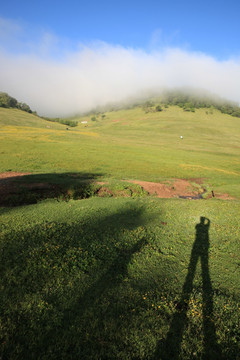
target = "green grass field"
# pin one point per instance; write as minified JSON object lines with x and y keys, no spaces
{"x":104,"y":279}
{"x":128,"y":144}
{"x":121,"y":278}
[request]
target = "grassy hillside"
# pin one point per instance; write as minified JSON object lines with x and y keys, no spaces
{"x":120,"y":278}
{"x":128,"y":144}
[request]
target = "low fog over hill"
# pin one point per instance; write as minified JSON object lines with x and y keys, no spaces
{"x":102,"y":74}
{"x":186,"y":98}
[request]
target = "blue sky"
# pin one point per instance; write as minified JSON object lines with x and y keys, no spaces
{"x":190,"y":39}
{"x":212,"y":27}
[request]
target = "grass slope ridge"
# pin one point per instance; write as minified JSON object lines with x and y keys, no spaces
{"x":16,"y":117}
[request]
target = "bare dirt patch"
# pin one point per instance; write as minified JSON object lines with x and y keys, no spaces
{"x":12,"y":191}
{"x":180,"y":188}
{"x":172,"y":189}
{"x":7,"y":185}
{"x":223,"y":196}
{"x":11,"y":174}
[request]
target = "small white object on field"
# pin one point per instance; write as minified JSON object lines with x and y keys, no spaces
{"x":181,"y":137}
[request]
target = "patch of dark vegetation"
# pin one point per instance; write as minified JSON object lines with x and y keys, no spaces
{"x":30,"y":189}
{"x":192,"y":197}
{"x":121,"y":189}
{"x":189,"y":102}
{"x":67,"y":122}
{"x":7,"y":101}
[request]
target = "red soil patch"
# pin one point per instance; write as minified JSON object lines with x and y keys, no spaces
{"x":12,"y":174}
{"x":171,"y":189}
{"x":178,"y":188}
{"x":224,"y":197}
{"x":9,"y":186}
{"x":7,"y":181}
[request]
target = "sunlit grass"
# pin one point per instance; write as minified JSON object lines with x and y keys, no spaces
{"x":128,"y":144}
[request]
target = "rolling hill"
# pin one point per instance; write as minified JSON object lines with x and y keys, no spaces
{"x":93,"y":267}
{"x":128,"y":144}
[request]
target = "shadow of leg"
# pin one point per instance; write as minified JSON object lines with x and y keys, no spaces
{"x":211,"y":348}
{"x":170,"y":349}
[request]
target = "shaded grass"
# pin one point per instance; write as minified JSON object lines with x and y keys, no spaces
{"x":102,"y":278}
{"x":30,"y":189}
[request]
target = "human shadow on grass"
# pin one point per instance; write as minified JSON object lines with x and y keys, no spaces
{"x":101,"y":298}
{"x":104,"y":289}
{"x":76,"y":271}
{"x":170,"y":348}
{"x":28,"y":189}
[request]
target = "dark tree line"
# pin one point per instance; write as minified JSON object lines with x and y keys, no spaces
{"x":67,"y":122}
{"x":191,"y":102}
{"x":7,"y":101}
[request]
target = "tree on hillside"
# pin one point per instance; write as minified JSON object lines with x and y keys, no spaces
{"x":7,"y":101}
{"x":24,"y":107}
{"x":148,"y":106}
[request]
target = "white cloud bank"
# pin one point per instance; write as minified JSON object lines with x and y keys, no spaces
{"x":102,"y":73}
